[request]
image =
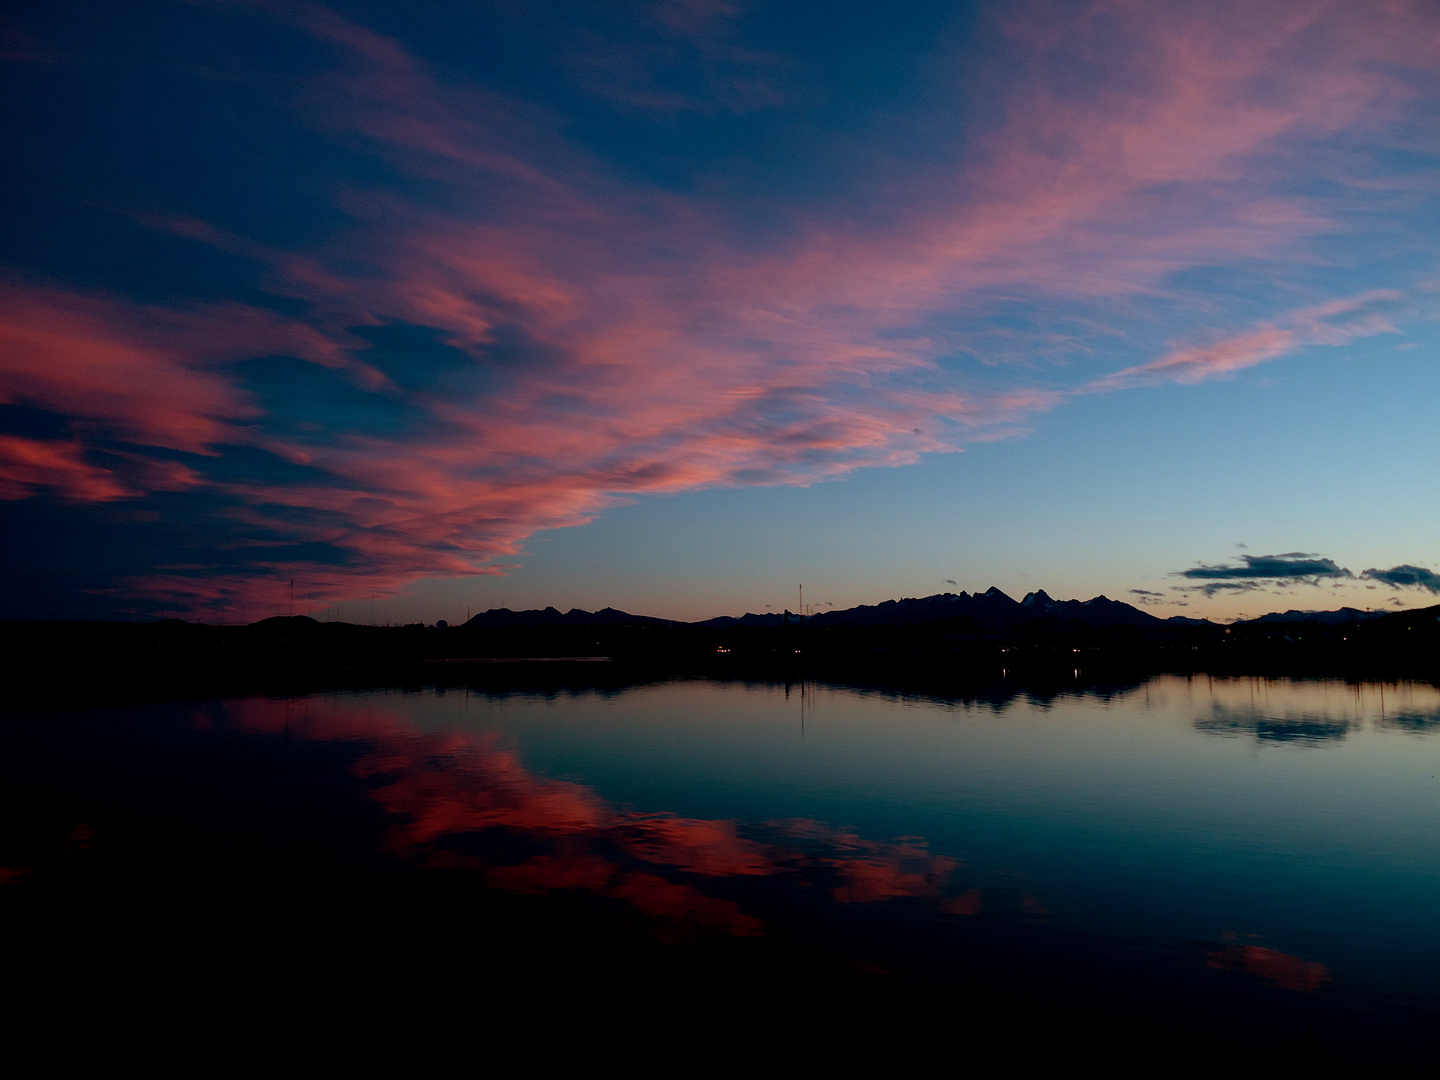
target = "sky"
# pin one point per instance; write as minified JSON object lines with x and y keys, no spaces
{"x":428,"y":308}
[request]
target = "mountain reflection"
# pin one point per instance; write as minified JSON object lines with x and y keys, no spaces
{"x":1300,"y":729}
{"x":1415,"y":722}
{"x":1315,"y":712}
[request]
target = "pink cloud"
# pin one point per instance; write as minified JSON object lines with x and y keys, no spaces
{"x":651,"y":351}
{"x":90,"y":359}
{"x":152,"y":376}
{"x":31,"y":465}
{"x":1364,"y":316}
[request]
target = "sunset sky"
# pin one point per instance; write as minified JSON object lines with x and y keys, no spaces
{"x":671,"y":307}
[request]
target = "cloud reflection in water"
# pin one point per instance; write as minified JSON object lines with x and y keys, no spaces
{"x":1086,"y":820}
{"x":462,"y":800}
{"x":1274,"y":967}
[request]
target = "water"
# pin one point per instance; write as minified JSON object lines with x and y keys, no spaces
{"x":1209,"y":837}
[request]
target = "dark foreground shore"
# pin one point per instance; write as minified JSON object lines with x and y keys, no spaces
{"x":247,"y":965}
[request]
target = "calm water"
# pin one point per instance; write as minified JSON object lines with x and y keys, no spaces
{"x":1278,"y":835}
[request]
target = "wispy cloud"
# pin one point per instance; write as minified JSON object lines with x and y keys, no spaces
{"x":1335,"y":323}
{"x":510,"y":333}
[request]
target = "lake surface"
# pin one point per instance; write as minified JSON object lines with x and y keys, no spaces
{"x":1261,"y":846}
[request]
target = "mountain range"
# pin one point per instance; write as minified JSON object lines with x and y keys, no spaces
{"x":989,"y":611}
{"x":1327,"y":618}
{"x":574,"y":617}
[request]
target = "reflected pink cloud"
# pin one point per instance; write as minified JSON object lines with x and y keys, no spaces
{"x":871,"y":872}
{"x":623,"y":342}
{"x":676,"y":902}
{"x":1275,"y":967}
{"x":970,"y":902}
{"x":439,"y":791}
{"x":710,"y":848}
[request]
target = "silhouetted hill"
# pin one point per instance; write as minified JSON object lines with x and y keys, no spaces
{"x":501,"y":617}
{"x":991,"y":611}
{"x":1324,"y":618}
{"x":1098,"y":611}
{"x":1424,"y":620}
{"x":275,"y":622}
{"x":726,"y":622}
{"x":947,"y":639}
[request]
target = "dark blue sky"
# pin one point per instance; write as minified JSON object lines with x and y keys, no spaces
{"x":670,"y":306}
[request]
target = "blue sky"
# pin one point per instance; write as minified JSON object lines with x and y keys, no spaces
{"x":672,"y":306}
